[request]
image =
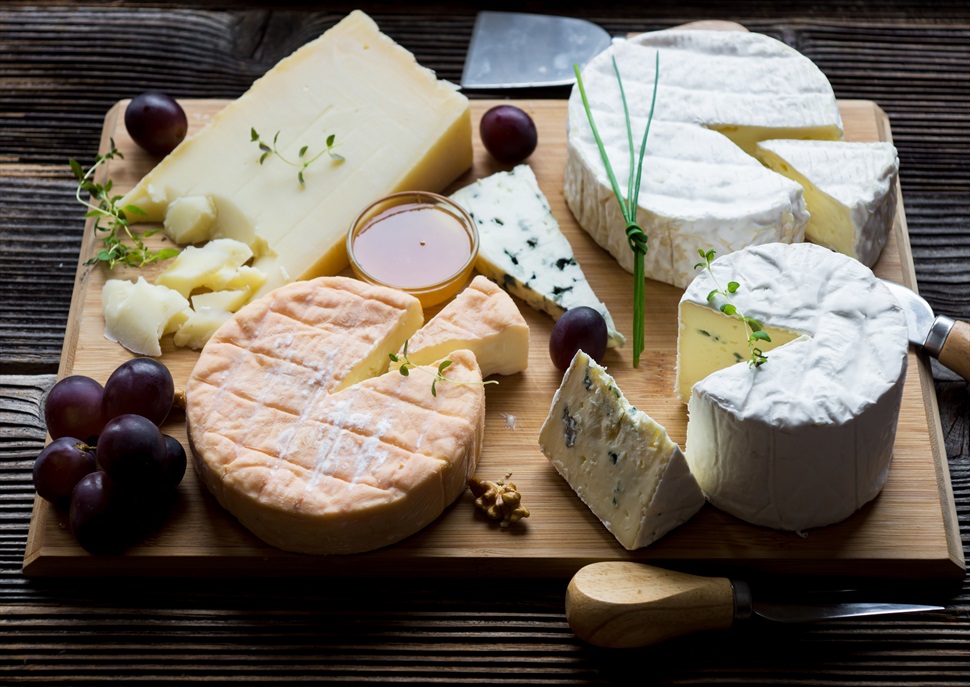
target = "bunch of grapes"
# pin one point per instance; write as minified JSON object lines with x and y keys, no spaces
{"x":109,"y":464}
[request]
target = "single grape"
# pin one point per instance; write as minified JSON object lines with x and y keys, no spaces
{"x":174,"y":463}
{"x":578,"y":328}
{"x":60,"y":466}
{"x":100,"y":517}
{"x":142,"y":386}
{"x":73,"y":408}
{"x":508,"y":133}
{"x":132,"y":451}
{"x":156,"y":122}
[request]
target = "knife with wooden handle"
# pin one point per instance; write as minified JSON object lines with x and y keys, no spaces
{"x":945,"y":339}
{"x":619,"y":604}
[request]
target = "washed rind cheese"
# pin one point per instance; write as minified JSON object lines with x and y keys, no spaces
{"x":621,"y":463}
{"x":805,"y":439}
{"x":294,"y":434}
{"x":396,"y":126}
{"x":719,"y":93}
{"x":482,"y":319}
{"x":850,"y":191}
{"x":522,"y":248}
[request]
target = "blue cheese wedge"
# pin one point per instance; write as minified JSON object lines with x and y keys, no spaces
{"x":621,"y":463}
{"x":523,"y":249}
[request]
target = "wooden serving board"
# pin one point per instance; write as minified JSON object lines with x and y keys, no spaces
{"x":910,"y":530}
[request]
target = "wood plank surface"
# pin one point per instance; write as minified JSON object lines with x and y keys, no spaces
{"x":908,"y":531}
{"x":62,"y":66}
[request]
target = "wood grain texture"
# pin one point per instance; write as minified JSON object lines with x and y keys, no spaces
{"x":909,"y":530}
{"x":59,"y":74}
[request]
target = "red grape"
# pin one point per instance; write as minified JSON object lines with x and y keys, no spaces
{"x":156,"y":122}
{"x":578,"y":328}
{"x":174,"y":463}
{"x":100,"y":517}
{"x":60,"y":466}
{"x":73,"y":408}
{"x":508,"y":133}
{"x":132,"y":451}
{"x":142,"y":386}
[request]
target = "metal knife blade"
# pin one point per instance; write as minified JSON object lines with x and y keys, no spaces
{"x":799,"y":613}
{"x":940,"y":336}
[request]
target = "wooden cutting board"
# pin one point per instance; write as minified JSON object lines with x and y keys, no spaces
{"x":910,"y":530}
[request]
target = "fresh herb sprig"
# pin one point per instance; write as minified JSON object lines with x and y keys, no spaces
{"x":438,"y":375}
{"x":752,"y":327}
{"x":303,"y":161}
{"x":636,"y":237}
{"x":117,"y":225}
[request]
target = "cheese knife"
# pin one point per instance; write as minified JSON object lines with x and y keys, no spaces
{"x":619,"y":604}
{"x":943,"y":338}
{"x":520,"y":50}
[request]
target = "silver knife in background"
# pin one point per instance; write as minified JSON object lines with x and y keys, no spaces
{"x":943,"y":338}
{"x":620,"y":604}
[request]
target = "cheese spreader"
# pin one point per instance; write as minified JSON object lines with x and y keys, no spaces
{"x":619,"y":604}
{"x":943,"y":338}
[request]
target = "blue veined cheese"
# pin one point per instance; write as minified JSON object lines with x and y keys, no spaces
{"x":719,"y":93}
{"x":523,"y":249}
{"x":806,"y":439}
{"x":621,"y":463}
{"x":850,"y":191}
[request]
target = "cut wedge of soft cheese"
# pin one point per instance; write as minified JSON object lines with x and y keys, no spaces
{"x":850,"y":191}
{"x":138,"y":314}
{"x":396,"y":126}
{"x":522,"y":248}
{"x":719,"y":93}
{"x":482,"y":319}
{"x":214,"y":266}
{"x":805,"y":439}
{"x":296,"y":437}
{"x":616,"y":458}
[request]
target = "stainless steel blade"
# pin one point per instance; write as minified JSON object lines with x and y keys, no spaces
{"x":799,"y":613}
{"x":516,"y":50}
{"x":925,"y":329}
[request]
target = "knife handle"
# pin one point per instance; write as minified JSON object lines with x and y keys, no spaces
{"x":620,"y":604}
{"x":955,"y":353}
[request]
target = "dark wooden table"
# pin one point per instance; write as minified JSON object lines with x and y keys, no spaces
{"x":62,"y":65}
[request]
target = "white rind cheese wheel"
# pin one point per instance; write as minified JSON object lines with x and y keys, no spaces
{"x":719,"y":93}
{"x":805,"y":439}
{"x":850,"y":191}
{"x":293,"y":434}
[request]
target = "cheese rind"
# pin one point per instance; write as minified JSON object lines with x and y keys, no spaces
{"x":620,"y":462}
{"x":850,"y":191}
{"x":522,"y":248}
{"x":294,"y":435}
{"x":718,"y":94}
{"x":482,"y":319}
{"x":806,"y":439}
{"x":396,"y":126}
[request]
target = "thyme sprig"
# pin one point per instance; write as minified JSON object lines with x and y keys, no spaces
{"x":117,"y":225}
{"x":438,"y":375}
{"x":752,"y":327}
{"x":303,"y":161}
{"x":636,"y":237}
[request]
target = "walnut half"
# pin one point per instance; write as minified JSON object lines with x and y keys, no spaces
{"x":499,"y":501}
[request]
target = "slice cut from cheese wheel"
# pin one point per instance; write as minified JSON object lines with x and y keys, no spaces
{"x":850,"y":191}
{"x":616,"y":458}
{"x":294,"y":435}
{"x":718,"y":94}
{"x":523,"y":249}
{"x":805,"y":439}
{"x":396,"y":126}
{"x":483,"y":319}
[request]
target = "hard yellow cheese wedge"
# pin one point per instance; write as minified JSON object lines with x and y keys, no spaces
{"x":483,"y":319}
{"x":396,"y":126}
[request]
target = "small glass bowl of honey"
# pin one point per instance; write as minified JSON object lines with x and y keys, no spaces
{"x":416,"y":241}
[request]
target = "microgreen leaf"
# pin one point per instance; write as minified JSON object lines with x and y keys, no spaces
{"x":302,"y":161}
{"x":437,"y":376}
{"x":733,"y":286}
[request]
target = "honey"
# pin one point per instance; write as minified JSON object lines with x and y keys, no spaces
{"x":418,"y":242}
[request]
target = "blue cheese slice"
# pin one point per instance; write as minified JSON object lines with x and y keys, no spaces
{"x":621,"y":463}
{"x":523,"y":249}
